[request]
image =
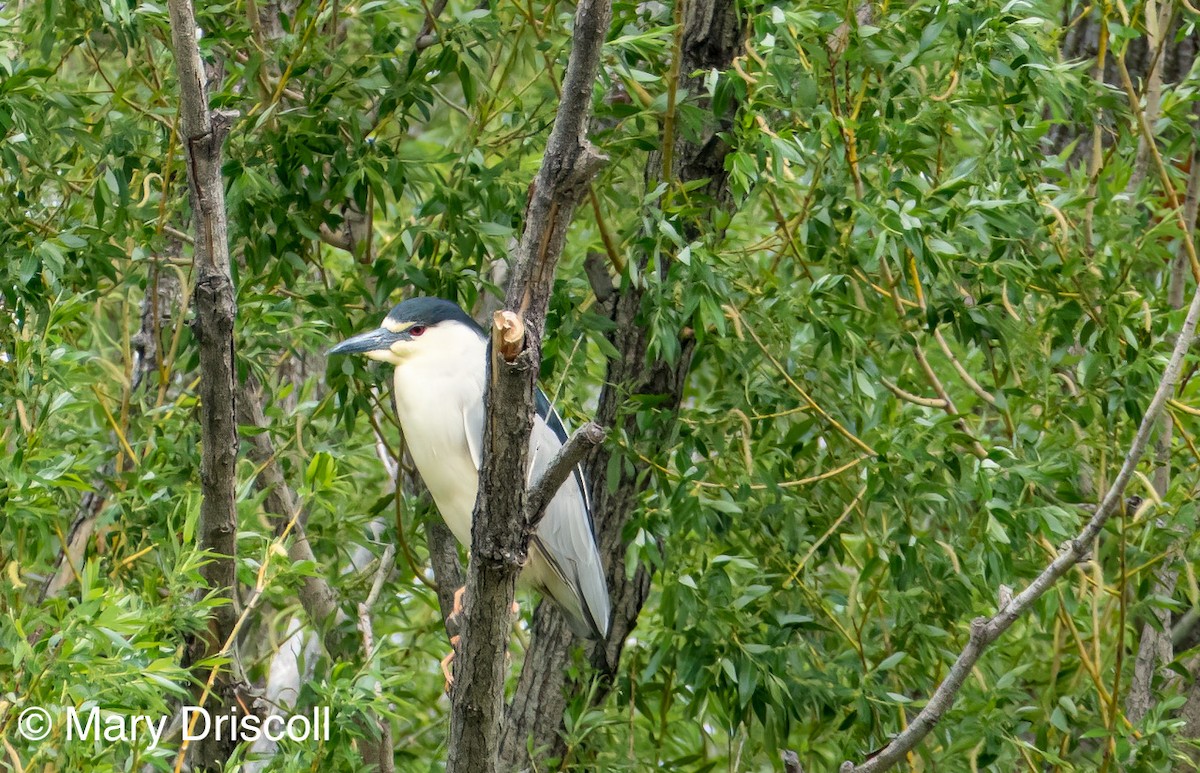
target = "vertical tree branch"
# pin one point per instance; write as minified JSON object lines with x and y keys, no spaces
{"x":500,"y":531}
{"x":712,"y":37}
{"x":1158,"y":23}
{"x":203,"y":133}
{"x":1155,"y":647}
{"x":1155,"y":644}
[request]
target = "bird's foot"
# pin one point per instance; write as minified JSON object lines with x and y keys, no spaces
{"x":454,"y":619}
{"x":457,"y":607}
{"x":447,"y":670}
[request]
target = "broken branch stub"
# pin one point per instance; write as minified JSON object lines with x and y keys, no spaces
{"x":508,"y":334}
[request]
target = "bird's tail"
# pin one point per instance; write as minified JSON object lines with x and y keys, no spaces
{"x":580,"y":591}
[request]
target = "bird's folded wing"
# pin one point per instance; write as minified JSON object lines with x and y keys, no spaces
{"x":566,"y":536}
{"x":473,"y":425}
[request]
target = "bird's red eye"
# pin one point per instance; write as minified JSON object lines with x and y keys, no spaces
{"x":416,"y":330}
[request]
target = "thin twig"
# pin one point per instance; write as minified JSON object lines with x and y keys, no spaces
{"x":386,"y":758}
{"x":947,"y":402}
{"x":260,"y":583}
{"x":833,"y":527}
{"x":781,"y":484}
{"x":984,"y":630}
{"x":928,"y":402}
{"x":560,"y":468}
{"x":737,"y":317}
{"x":386,"y":563}
{"x":1163,"y":176}
{"x":967,"y":378}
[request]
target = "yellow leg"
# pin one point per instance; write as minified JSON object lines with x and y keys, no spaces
{"x":457,"y":607}
{"x":456,"y":610}
{"x":447,"y":671}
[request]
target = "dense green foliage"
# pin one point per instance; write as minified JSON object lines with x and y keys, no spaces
{"x":819,"y":543}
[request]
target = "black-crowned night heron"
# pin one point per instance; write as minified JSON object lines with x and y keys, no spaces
{"x":440,"y":358}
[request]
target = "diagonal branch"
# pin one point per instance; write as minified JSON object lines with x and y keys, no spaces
{"x":1155,"y":648}
{"x":984,"y":631}
{"x":319,"y":600}
{"x":561,"y":466}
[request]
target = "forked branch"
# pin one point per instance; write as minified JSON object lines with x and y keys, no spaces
{"x":499,"y":531}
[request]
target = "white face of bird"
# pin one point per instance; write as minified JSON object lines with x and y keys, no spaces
{"x":414,"y":344}
{"x":407,"y":339}
{"x":408,"y":343}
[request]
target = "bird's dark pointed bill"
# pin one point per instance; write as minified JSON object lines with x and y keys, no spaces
{"x":370,"y":341}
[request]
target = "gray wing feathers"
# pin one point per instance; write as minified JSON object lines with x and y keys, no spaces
{"x":565,"y":539}
{"x":473,"y":426}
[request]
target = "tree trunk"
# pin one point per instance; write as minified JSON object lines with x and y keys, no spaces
{"x":1082,"y":43}
{"x":502,"y":523}
{"x":1156,"y":61}
{"x":712,"y":37}
{"x":203,"y":134}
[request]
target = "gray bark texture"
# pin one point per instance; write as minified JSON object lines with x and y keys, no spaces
{"x":1155,"y":649}
{"x":447,"y":569}
{"x":712,"y":37}
{"x":202,"y":134}
{"x":501,"y":525}
{"x":1081,"y":43}
{"x":1157,"y":61}
{"x":1190,"y":713}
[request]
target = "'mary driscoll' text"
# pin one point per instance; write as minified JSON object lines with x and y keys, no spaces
{"x":199,"y":723}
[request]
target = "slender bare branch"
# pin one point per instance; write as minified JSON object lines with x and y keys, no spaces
{"x":1156,"y":646}
{"x":984,"y":630}
{"x":927,"y":402}
{"x":202,"y":133}
{"x":319,"y":599}
{"x":561,"y":466}
{"x":384,"y":755}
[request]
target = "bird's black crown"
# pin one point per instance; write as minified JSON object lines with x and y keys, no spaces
{"x":429,"y":312}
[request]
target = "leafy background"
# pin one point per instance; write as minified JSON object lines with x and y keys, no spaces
{"x":899,"y":173}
